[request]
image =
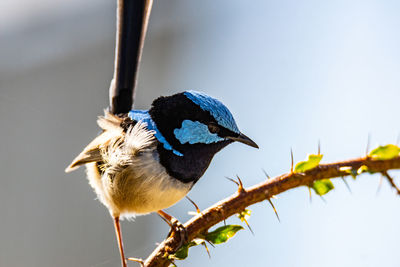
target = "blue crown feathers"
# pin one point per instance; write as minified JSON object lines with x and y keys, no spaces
{"x":218,"y":110}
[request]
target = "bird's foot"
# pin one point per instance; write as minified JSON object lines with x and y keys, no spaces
{"x":140,"y":261}
{"x":177,"y":228}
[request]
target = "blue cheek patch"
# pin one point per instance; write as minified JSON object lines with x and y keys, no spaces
{"x":218,"y":110}
{"x":194,"y":132}
{"x":144,"y":116}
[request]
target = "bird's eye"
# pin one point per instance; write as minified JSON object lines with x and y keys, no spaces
{"x":213,"y":128}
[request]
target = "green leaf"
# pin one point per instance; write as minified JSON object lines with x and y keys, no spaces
{"x":218,"y":236}
{"x":182,"y":253}
{"x":321,"y":187}
{"x":385,"y":152}
{"x":310,"y":163}
{"x":222,"y":234}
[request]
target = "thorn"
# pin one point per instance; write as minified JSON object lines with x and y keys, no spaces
{"x":171,"y":262}
{"x":310,"y":193}
{"x":230,"y":179}
{"x":208,"y":252}
{"x":379,"y":185}
{"x":239,"y":184}
{"x":323,"y":199}
{"x":391,"y":181}
{"x":347,"y":185}
{"x":194,"y":204}
{"x":273,"y":207}
{"x":319,"y":147}
{"x":242,"y":216}
{"x":248,"y":225}
{"x":266,"y":174}
{"x":211,"y":244}
{"x":241,"y":188}
{"x":368,"y":141}
{"x":291,"y":156}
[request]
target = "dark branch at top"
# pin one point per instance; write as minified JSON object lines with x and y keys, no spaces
{"x":132,"y":19}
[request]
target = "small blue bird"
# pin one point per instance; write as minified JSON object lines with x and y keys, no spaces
{"x":146,"y":161}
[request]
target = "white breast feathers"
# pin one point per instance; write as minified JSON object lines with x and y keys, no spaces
{"x":130,"y":179}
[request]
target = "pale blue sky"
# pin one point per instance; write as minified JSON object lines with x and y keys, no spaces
{"x":293,"y":73}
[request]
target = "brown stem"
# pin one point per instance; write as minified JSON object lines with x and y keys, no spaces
{"x":260,"y":192}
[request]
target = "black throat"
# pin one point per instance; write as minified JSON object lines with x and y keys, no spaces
{"x":194,"y":162}
{"x":168,"y":113}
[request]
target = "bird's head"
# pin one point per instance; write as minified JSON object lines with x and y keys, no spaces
{"x":191,"y":119}
{"x":192,"y":127}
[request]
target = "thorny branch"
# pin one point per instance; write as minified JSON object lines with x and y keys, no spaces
{"x":243,"y":198}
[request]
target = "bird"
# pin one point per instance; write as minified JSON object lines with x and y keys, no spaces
{"x":145,"y":161}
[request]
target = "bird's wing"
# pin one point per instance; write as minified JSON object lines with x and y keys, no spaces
{"x":92,"y":152}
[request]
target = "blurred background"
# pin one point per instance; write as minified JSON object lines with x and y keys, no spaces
{"x":292,"y":73}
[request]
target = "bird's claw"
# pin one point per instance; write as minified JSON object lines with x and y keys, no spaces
{"x":177,"y":229}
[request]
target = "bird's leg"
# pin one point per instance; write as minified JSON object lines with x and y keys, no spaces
{"x":176,"y":226}
{"x":119,"y":239}
{"x":121,"y":245}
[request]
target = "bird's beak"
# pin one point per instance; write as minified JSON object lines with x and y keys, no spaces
{"x":243,"y":139}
